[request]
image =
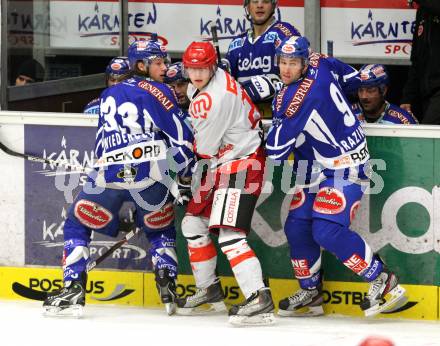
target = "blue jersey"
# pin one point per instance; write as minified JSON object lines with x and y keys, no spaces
{"x":314,"y":120}
{"x":139,"y":122}
{"x":250,"y":57}
{"x":92,"y":107}
{"x":392,"y":114}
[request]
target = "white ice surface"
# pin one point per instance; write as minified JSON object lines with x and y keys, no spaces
{"x":21,"y":323}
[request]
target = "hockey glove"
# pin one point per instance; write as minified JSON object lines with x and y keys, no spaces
{"x":259,"y":88}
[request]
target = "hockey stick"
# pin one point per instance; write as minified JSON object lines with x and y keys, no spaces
{"x":215,"y":43}
{"x":55,"y":163}
{"x":30,"y":293}
{"x":329,"y":47}
{"x":174,"y":189}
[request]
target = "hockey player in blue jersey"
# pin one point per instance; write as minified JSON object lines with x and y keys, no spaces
{"x":116,"y":71}
{"x":140,"y":125}
{"x":175,"y":78}
{"x":251,"y":55}
{"x":313,"y":119}
{"x":372,"y":106}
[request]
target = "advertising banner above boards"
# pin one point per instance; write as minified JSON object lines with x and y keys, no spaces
{"x":368,"y":29}
{"x":371,"y":29}
{"x":95,"y":24}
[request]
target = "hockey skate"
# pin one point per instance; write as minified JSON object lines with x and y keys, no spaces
{"x":304,"y":302}
{"x":384,"y":294}
{"x":166,"y":286}
{"x":203,"y":301}
{"x":69,"y":301}
{"x":256,"y":310}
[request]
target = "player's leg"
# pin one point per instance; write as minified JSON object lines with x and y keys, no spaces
{"x":88,"y":213}
{"x":202,"y":253}
{"x":258,"y":306}
{"x":332,"y":212}
{"x":305,"y":254}
{"x":234,"y":203}
{"x":203,"y":260}
{"x":164,"y":258}
{"x":156,"y":217}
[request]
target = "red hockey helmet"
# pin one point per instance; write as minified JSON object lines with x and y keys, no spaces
{"x":199,"y":55}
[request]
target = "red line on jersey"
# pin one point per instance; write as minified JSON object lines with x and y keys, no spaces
{"x":402,"y":4}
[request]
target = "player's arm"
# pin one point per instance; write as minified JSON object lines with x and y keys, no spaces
{"x":98,"y":139}
{"x":293,"y":31}
{"x":172,"y":124}
{"x":281,"y":139}
{"x":348,"y":76}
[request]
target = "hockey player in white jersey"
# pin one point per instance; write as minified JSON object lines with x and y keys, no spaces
{"x":228,"y":136}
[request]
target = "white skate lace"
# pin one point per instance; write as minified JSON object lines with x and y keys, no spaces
{"x":375,"y":288}
{"x":300,"y":296}
{"x":200,"y":293}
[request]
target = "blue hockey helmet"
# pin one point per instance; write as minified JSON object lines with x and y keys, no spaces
{"x":373,"y":75}
{"x":118,"y":66}
{"x":175,"y":73}
{"x":294,"y":47}
{"x":146,"y":51}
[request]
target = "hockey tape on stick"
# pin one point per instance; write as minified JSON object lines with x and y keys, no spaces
{"x":215,"y":42}
{"x":30,"y":293}
{"x":174,"y":189}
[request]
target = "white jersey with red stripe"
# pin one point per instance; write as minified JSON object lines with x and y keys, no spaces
{"x":227,"y":125}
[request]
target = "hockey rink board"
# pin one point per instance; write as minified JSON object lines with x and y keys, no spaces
{"x":139,"y":289}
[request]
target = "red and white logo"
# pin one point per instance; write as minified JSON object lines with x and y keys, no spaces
{"x":301,"y":268}
{"x":92,"y":214}
{"x":298,"y":199}
{"x":116,"y":66}
{"x":329,"y":200}
{"x":231,"y":207}
{"x":201,"y":106}
{"x":288,"y":48}
{"x":160,"y":218}
{"x":356,"y":263}
{"x":354,"y":209}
